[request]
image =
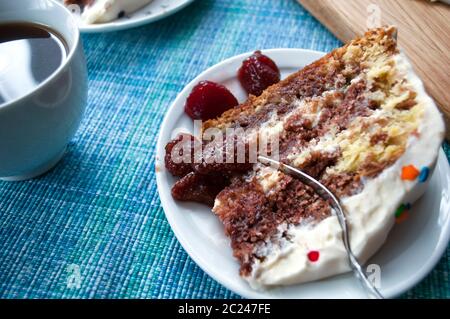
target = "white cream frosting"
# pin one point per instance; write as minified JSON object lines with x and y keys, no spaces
{"x":107,"y":10}
{"x":370,"y":212}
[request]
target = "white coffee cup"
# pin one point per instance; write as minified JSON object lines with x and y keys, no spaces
{"x":36,"y":128}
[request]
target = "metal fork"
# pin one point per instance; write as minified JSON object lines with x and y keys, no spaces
{"x":327,"y":195}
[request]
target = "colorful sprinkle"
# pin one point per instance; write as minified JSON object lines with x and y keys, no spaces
{"x":410,"y":173}
{"x":402,"y":218}
{"x":402,"y":213}
{"x":313,"y":255}
{"x":424,"y":172}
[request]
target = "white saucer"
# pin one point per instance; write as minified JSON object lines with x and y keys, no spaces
{"x":412,"y":249}
{"x":152,"y":12}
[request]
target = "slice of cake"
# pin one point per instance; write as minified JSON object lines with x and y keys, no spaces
{"x":358,"y":120}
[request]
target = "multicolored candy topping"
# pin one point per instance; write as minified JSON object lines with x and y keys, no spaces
{"x":409,"y":173}
{"x":402,"y":213}
{"x":424,"y":173}
{"x":313,"y":256}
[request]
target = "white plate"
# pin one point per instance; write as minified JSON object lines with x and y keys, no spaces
{"x":152,"y":12}
{"x":413,"y":247}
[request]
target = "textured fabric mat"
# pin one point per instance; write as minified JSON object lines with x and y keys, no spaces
{"x":98,"y":214}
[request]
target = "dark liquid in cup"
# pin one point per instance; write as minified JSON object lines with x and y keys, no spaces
{"x":29,"y":54}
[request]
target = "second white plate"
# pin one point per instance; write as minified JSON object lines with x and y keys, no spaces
{"x":412,"y":249}
{"x":156,"y":10}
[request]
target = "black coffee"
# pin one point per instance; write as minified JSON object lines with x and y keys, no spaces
{"x":29,"y":54}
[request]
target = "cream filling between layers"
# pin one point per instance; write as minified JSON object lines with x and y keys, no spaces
{"x":370,"y":212}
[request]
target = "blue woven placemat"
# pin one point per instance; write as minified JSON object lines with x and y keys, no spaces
{"x":94,"y":226}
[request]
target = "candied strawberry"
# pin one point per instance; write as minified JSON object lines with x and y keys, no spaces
{"x":257,"y":73}
{"x":208,"y":100}
{"x":199,"y":188}
{"x":184,"y":163}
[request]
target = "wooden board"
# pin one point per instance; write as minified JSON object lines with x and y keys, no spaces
{"x":424,"y":34}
